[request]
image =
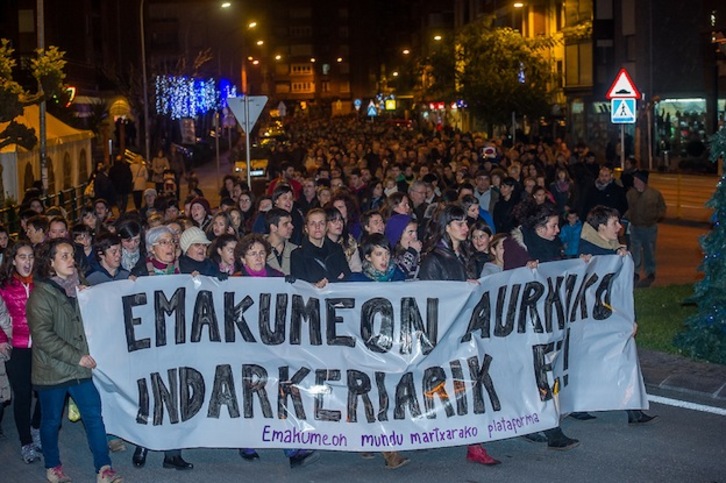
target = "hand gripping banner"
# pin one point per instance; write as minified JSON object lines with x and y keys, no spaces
{"x":260,"y":363}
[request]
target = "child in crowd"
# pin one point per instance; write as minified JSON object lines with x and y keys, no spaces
{"x":570,"y":234}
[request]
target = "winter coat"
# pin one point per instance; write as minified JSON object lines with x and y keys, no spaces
{"x":59,"y":341}
{"x":121,"y":177}
{"x":206,"y":267}
{"x":645,"y":208}
{"x":312,"y":264}
{"x":15,"y":294}
{"x":443,"y":264}
{"x":140,"y":175}
{"x":101,"y":275}
{"x":592,"y":244}
{"x":570,"y":238}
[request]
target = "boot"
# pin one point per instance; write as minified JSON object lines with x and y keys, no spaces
{"x":636,"y":417}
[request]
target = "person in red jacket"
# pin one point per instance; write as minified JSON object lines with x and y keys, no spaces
{"x":16,"y":283}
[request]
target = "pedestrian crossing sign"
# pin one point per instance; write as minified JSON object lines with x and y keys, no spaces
{"x":622,"y":111}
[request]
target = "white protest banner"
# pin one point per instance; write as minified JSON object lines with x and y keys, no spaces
{"x":261,"y":363}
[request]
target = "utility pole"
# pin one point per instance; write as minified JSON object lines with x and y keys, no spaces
{"x":41,"y":122}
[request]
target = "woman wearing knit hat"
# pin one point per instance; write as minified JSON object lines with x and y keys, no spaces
{"x":194,"y":259}
{"x":200,"y":212}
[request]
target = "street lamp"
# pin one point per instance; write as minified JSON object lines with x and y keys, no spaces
{"x":145,"y":82}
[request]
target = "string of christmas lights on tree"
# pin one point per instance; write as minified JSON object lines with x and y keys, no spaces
{"x":184,"y":97}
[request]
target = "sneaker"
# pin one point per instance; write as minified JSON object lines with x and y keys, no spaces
{"x":56,"y":475}
{"x":477,"y":454}
{"x":116,"y":445}
{"x":535,"y":438}
{"x":108,"y":475}
{"x":35,"y":434}
{"x":304,"y":457}
{"x":29,"y":453}
{"x":563,"y":443}
{"x":394,"y":460}
{"x":248,"y":454}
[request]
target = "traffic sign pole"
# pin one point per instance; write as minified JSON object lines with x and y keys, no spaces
{"x":247,"y":142}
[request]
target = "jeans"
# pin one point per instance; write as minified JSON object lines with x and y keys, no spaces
{"x":642,"y":246}
{"x":18,"y":368}
{"x":52,"y":402}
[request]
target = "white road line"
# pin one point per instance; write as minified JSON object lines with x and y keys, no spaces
{"x":686,"y":405}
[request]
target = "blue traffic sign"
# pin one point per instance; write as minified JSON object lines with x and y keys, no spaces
{"x":622,"y":111}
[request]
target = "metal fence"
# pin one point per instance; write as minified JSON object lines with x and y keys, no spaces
{"x":71,"y":200}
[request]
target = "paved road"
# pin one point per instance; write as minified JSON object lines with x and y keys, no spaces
{"x":684,"y":446}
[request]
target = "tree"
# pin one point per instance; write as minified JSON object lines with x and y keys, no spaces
{"x":705,"y":334}
{"x":47,"y":69}
{"x":500,"y":72}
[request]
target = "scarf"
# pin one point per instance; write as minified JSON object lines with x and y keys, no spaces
{"x":259,"y":273}
{"x":24,"y":280}
{"x":377,"y":275}
{"x":160,"y":268}
{"x":129,"y":259}
{"x":601,"y":186}
{"x":68,"y":284}
{"x":228,"y":269}
{"x":562,"y":186}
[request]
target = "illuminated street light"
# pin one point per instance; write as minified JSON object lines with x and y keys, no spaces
{"x":437,"y":38}
{"x":406,"y":51}
{"x":312,"y":59}
{"x":252,"y":25}
{"x":339,"y":59}
{"x":395,"y":74}
{"x":255,"y":62}
{"x":250,"y":58}
{"x":518,"y":4}
{"x":226,"y":4}
{"x":278,"y":57}
{"x":260,"y":42}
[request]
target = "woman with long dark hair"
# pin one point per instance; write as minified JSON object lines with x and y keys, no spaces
{"x":445,"y":258}
{"x":16,"y":283}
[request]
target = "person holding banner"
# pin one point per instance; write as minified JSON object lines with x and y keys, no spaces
{"x":445,"y":259}
{"x":318,"y":260}
{"x":600,"y":237}
{"x":162,"y":260}
{"x":378,"y":267}
{"x":62,"y":364}
{"x":252,"y":252}
{"x":535,"y":242}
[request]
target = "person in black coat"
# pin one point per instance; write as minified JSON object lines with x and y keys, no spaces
{"x":604,"y":191}
{"x":102,"y":185}
{"x":318,"y":260}
{"x":123,"y":182}
{"x":194,"y":260}
{"x":446,"y":259}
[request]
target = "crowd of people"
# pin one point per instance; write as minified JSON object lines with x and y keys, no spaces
{"x":349,"y":201}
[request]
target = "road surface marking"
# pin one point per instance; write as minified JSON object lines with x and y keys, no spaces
{"x":687,"y":405}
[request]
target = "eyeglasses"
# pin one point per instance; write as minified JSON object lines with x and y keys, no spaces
{"x":165,"y":242}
